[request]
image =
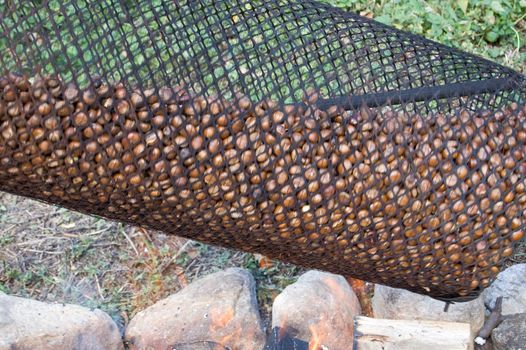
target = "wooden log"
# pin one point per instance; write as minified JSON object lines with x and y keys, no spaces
{"x":382,"y":334}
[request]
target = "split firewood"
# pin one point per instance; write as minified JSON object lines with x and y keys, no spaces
{"x":382,"y":334}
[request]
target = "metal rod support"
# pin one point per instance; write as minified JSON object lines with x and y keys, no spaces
{"x":420,"y":94}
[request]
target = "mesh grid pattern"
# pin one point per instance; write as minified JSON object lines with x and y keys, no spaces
{"x":288,"y":128}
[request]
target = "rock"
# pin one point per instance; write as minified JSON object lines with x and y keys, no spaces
{"x":511,"y":333}
{"x":400,"y":304}
{"x":318,"y":307}
{"x":220,"y":308}
{"x":510,"y":285}
{"x":30,"y":324}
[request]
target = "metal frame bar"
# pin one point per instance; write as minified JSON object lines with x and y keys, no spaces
{"x":421,"y":94}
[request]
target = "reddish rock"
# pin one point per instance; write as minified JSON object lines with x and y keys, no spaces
{"x":220,"y":308}
{"x":320,"y":307}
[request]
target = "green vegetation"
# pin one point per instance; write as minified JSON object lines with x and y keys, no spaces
{"x":495,"y":29}
{"x":159,"y":41}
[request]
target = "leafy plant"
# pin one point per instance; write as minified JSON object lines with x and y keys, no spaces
{"x":495,"y":29}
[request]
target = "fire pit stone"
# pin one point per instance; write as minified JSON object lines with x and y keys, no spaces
{"x":220,"y":308}
{"x":393,"y":303}
{"x":31,"y":324}
{"x":511,"y":333}
{"x":320,"y":307}
{"x":510,"y":285}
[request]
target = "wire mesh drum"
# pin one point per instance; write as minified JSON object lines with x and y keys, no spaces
{"x":288,"y":128}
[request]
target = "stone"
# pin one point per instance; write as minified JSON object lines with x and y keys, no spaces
{"x":510,"y":285}
{"x":511,"y":333}
{"x":220,"y":308}
{"x":30,"y":324}
{"x":400,"y":304}
{"x":319,"y":308}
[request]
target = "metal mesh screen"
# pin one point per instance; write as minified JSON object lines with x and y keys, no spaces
{"x":288,"y":128}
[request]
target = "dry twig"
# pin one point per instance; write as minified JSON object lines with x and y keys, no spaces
{"x":494,"y":319}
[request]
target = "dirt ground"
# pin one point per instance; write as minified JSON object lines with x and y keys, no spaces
{"x":54,"y":254}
